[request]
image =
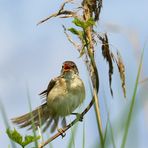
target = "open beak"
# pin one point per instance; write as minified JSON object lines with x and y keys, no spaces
{"x":67,"y":67}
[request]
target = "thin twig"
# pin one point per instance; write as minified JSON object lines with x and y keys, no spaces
{"x":61,"y":11}
{"x":77,"y":46}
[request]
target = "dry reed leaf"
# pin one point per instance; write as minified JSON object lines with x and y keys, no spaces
{"x":107,"y":54}
{"x":121,"y":69}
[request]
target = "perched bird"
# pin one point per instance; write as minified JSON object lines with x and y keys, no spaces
{"x":62,"y":96}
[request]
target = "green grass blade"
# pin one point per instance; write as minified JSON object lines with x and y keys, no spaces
{"x":106,"y":129}
{"x":4,"y":115}
{"x":132,"y":104}
{"x":112,"y":135}
{"x":71,"y":142}
{"x":33,"y":124}
{"x":83,"y":146}
{"x":5,"y":119}
{"x":118,"y":121}
{"x":40,"y":127}
{"x":109,"y":126}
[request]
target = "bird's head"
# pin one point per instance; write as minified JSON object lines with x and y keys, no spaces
{"x":69,"y":67}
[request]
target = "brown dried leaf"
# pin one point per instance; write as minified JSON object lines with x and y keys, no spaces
{"x":121,"y":69}
{"x":108,"y":56}
{"x":60,"y":12}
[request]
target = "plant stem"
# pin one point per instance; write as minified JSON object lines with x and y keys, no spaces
{"x":87,"y":14}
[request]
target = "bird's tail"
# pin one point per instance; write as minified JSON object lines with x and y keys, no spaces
{"x":37,"y":117}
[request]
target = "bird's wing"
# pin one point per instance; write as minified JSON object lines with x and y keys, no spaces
{"x":50,"y":86}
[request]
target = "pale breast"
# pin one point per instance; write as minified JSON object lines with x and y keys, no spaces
{"x":66,"y":96}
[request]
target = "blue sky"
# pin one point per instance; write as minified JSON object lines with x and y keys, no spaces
{"x":33,"y":54}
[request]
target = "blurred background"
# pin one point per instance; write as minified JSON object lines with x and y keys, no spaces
{"x":31,"y":55}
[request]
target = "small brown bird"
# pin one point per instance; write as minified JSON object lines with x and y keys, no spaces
{"x":62,"y":96}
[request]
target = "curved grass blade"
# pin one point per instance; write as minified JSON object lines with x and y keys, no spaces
{"x":109,"y":124}
{"x":33,"y":124}
{"x":106,"y":129}
{"x":4,"y":116}
{"x":132,"y":104}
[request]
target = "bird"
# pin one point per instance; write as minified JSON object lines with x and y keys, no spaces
{"x":63,"y":95}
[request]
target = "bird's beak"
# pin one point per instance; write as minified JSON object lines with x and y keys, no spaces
{"x":67,"y":67}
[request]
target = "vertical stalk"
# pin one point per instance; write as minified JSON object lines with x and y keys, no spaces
{"x":98,"y":116}
{"x":87,"y":14}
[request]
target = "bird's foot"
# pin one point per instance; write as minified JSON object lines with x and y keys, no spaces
{"x":79,"y":116}
{"x":62,"y":132}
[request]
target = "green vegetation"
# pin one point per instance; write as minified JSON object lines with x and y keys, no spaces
{"x":19,"y":139}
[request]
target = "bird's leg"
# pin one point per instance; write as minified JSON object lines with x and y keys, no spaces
{"x":62,"y":132}
{"x":63,"y":122}
{"x":78,"y":115}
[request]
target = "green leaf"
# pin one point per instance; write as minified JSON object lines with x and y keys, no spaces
{"x":79,"y":33}
{"x":29,"y":139}
{"x":74,"y":31}
{"x":84,"y":24}
{"x":79,"y":23}
{"x":89,"y":23}
{"x":15,"y":136}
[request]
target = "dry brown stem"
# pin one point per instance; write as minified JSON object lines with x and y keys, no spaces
{"x":60,"y":12}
